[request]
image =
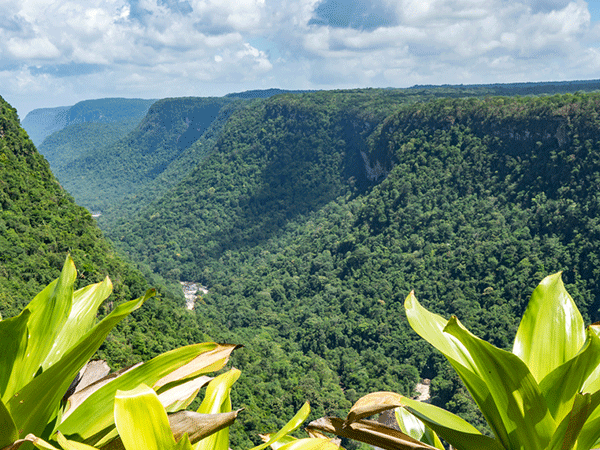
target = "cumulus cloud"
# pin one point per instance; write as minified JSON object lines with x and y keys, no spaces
{"x":156,"y":48}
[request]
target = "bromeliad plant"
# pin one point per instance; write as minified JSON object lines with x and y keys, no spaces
{"x":46,"y":346}
{"x":544,"y":395}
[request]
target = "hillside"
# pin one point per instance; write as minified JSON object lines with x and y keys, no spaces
{"x":41,"y":123}
{"x":40,"y":224}
{"x":316,"y":214}
{"x":171,"y":139}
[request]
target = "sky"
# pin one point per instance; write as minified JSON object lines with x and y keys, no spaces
{"x":56,"y":53}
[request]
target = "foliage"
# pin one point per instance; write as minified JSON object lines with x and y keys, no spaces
{"x":545,"y":394}
{"x":52,"y":339}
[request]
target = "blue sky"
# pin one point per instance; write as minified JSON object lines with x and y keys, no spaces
{"x":55,"y":53}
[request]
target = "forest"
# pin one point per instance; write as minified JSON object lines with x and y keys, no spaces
{"x":311,"y":216}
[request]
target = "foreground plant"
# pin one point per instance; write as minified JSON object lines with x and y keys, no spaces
{"x":46,"y":346}
{"x":544,"y":395}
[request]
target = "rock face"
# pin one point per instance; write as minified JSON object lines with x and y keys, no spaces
{"x":191,"y":292}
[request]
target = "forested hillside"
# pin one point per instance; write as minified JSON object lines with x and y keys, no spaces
{"x":153,"y":157}
{"x":310,"y":217}
{"x":40,"y":224}
{"x":317,"y":214}
{"x":41,"y":123}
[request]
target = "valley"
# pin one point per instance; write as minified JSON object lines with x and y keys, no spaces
{"x":309,"y":217}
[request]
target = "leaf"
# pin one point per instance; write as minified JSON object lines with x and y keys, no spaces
{"x":13,"y":339}
{"x":36,"y":404}
{"x":449,"y":426}
{"x":92,"y":421}
{"x":551,"y":317}
{"x":415,"y":428}
{"x":431,"y":328}
{"x":188,"y":423}
{"x":373,"y":403}
{"x":525,"y":418}
{"x":561,"y":385}
{"x":369,"y":432}
{"x":217,"y":400}
{"x":179,"y":397}
{"x":288,"y":428}
{"x":8,"y":429}
{"x":81,"y":318}
{"x":592,"y":383}
{"x":71,"y":445}
{"x":590,"y":432}
{"x":49,"y":311}
{"x":310,"y":444}
{"x":142,"y":421}
{"x":567,"y":432}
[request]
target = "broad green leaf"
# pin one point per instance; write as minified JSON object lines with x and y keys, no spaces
{"x":8,"y":429}
{"x":523,"y":411}
{"x":456,"y":431}
{"x":551,"y":331}
{"x":40,"y":443}
{"x":188,"y":424}
{"x":142,"y":421}
{"x":71,"y":445}
{"x":280,"y":443}
{"x":217,"y":400}
{"x":288,"y":428}
{"x":369,"y":432}
{"x":13,"y":341}
{"x":525,"y":418}
{"x":81,"y":318}
{"x":561,"y":385}
{"x":92,"y":421}
{"x":415,"y":428}
{"x":34,"y":406}
{"x":567,"y":432}
{"x":589,"y":435}
{"x":592,"y":384}
{"x":49,"y":311}
{"x":310,"y":444}
{"x":431,"y":328}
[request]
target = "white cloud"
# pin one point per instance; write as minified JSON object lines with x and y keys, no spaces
{"x":155,"y":48}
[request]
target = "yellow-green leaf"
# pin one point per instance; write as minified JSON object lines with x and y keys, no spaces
{"x":8,"y":429}
{"x":142,"y":421}
{"x":49,"y":311}
{"x":288,"y":428}
{"x":310,"y":444}
{"x":416,"y":428}
{"x":525,"y":421}
{"x":551,"y":331}
{"x":450,"y":427}
{"x":34,"y":406}
{"x":92,"y":421}
{"x":561,"y":385}
{"x":217,"y":400}
{"x":13,"y":340}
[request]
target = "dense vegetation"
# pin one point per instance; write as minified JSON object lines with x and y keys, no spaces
{"x":483,"y":198}
{"x":40,"y":223}
{"x":311,"y":216}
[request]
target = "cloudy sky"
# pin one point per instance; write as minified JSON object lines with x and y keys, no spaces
{"x":58,"y":52}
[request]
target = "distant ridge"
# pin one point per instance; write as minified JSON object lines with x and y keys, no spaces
{"x":41,"y":123}
{"x":541,"y":87}
{"x":265,"y":93}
